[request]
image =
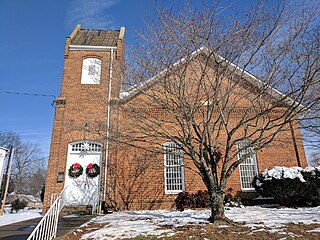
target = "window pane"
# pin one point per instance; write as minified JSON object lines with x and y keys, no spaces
{"x":248,"y":168}
{"x":173,"y":160}
{"x":91,"y":71}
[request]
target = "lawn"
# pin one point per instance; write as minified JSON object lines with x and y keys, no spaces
{"x":248,"y":223}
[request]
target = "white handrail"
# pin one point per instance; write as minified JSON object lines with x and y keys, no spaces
{"x":47,"y":227}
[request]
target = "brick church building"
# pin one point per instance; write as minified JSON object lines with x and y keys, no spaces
{"x":91,"y":112}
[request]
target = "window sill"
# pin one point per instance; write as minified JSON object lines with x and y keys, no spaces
{"x":172,"y":193}
{"x":248,"y":190}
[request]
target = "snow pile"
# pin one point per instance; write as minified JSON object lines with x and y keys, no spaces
{"x":22,"y":215}
{"x":279,"y":172}
{"x":128,"y":224}
{"x":283,"y":172}
{"x":313,"y":170}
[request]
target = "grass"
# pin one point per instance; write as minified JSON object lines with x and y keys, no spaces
{"x":219,"y":230}
{"x":227,"y":231}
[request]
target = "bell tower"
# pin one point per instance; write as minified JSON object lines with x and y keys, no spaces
{"x":85,"y":115}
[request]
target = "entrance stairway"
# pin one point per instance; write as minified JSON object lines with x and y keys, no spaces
{"x":47,"y":227}
{"x":79,"y":210}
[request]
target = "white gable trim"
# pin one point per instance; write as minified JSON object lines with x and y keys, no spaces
{"x":131,"y":92}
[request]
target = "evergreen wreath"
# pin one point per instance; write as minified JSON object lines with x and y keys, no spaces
{"x":93,"y":170}
{"x":75,"y":170}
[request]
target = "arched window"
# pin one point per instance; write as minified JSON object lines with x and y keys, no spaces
{"x":248,"y":168}
{"x":86,"y":146}
{"x":91,"y":71}
{"x":173,"y":168}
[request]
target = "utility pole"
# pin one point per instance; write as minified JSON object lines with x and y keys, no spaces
{"x":8,"y":179}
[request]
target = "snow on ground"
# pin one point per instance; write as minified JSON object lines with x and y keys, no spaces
{"x":127,"y":224}
{"x":273,"y":218}
{"x":22,"y":215}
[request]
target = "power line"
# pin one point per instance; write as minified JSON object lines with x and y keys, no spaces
{"x":30,"y":94}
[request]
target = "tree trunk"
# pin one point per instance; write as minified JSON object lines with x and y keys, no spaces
{"x":217,"y":207}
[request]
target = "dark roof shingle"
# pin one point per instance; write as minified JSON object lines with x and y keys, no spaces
{"x":90,"y":37}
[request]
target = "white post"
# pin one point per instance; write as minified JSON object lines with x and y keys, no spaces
{"x":108,"y":128}
{"x":8,"y":180}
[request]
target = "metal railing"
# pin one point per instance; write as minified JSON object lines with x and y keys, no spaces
{"x":47,"y":227}
{"x":95,"y":203}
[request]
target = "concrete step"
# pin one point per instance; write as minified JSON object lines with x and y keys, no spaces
{"x":79,"y":210}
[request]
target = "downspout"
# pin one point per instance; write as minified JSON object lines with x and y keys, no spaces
{"x":108,"y":127}
{"x":295,"y":145}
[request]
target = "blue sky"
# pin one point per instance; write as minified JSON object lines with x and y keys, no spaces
{"x":31,"y":53}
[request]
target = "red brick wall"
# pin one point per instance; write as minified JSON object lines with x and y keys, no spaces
{"x":82,"y":113}
{"x":147,"y":192}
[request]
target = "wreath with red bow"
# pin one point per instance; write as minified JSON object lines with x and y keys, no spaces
{"x":93,"y":170}
{"x":75,"y":170}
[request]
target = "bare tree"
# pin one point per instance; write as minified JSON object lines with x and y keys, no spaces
{"x":197,"y":91}
{"x":28,"y":164}
{"x":9,"y":138}
{"x":314,"y":159}
{"x":37,"y":180}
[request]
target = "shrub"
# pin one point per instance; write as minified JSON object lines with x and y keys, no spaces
{"x":183,"y":200}
{"x":290,"y":186}
{"x":231,"y":200}
{"x":201,"y":199}
{"x":18,"y":204}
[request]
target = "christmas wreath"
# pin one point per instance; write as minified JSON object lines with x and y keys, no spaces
{"x":93,"y":170}
{"x":75,"y":170}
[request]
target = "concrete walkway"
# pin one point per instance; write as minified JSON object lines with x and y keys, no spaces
{"x":21,"y":230}
{"x":67,"y":224}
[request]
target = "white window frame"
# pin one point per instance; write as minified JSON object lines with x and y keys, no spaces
{"x":248,"y":168}
{"x":88,"y":76}
{"x":173,"y":167}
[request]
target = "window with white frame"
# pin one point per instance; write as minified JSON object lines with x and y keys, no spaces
{"x":91,"y":71}
{"x":86,"y":146}
{"x":248,"y":168}
{"x":173,"y":168}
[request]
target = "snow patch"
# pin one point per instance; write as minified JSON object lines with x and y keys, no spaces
{"x":22,"y":215}
{"x":223,"y":226}
{"x":71,"y":216}
{"x":129,"y":224}
{"x":315,"y":230}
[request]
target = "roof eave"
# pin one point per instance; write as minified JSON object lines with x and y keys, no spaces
{"x":133,"y":91}
{"x":90,"y":48}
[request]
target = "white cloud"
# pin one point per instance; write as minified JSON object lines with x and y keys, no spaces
{"x":90,"y":14}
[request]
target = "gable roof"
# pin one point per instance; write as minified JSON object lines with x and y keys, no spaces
{"x":135,"y":90}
